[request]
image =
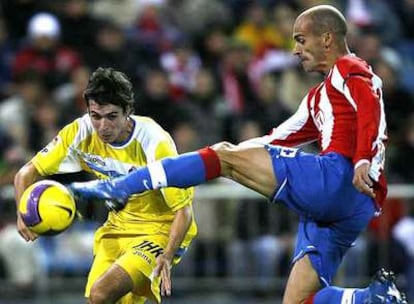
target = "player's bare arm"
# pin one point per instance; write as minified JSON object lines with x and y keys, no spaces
{"x":249,"y":165}
{"x":26,"y":176}
{"x":179,"y":228}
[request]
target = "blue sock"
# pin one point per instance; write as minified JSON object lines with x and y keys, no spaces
{"x":337,"y":295}
{"x":182,"y":171}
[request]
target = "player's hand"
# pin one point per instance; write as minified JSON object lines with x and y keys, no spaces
{"x":163,"y":269}
{"x":114,"y":196}
{"x":362,"y":181}
{"x":25,"y":232}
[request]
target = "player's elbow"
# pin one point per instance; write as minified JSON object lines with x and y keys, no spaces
{"x":186,"y":213}
{"x":100,"y":296}
{"x":17,"y":178}
{"x":26,"y":175}
{"x":20,"y":176}
{"x":97,"y":298}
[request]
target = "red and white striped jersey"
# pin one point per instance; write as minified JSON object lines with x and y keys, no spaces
{"x":345,"y":114}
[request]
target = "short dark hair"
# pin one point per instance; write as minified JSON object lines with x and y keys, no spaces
{"x":326,"y":18}
{"x":108,"y":86}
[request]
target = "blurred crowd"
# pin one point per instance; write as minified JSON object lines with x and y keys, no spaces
{"x":206,"y":70}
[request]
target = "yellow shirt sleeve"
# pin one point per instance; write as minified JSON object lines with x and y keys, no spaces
{"x":58,"y":157}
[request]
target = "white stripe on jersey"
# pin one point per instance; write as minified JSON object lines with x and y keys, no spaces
{"x":149,"y":137}
{"x":376,"y":82}
{"x":378,"y":161}
{"x":338,"y":82}
{"x":327,"y":119}
{"x":70,"y":162}
{"x":348,"y":296}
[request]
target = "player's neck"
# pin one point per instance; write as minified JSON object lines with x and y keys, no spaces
{"x":332,"y":58}
{"x":126,"y":133}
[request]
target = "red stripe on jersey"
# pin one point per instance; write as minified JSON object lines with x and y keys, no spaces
{"x":211,"y":162}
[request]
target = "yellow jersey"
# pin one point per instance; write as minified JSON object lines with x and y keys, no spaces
{"x":78,"y":147}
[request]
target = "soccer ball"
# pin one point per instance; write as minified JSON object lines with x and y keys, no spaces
{"x":47,"y":207}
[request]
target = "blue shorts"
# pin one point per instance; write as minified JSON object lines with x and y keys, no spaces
{"x":332,"y":212}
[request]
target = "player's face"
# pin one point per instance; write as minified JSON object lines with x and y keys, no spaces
{"x":309,"y":48}
{"x":110,"y":122}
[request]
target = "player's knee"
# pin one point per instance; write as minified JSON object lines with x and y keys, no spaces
{"x":96,"y":298}
{"x":296,"y":299}
{"x":223,"y":146}
{"x":225,"y":152}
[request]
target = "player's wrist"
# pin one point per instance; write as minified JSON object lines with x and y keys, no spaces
{"x":169,"y":255}
{"x":360,"y":162}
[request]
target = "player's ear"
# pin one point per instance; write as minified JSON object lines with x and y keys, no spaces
{"x":129,"y":110}
{"x":132,"y":111}
{"x":327,"y":39}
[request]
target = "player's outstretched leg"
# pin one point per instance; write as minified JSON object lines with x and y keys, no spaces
{"x":182,"y":171}
{"x":382,"y":289}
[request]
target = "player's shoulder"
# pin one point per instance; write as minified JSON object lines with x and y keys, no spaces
{"x":144,"y":120}
{"x":353,"y":65}
{"x":147,"y":123}
{"x":152,"y":137}
{"x":81,"y":123}
{"x":147,"y":127}
{"x":78,"y":128}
